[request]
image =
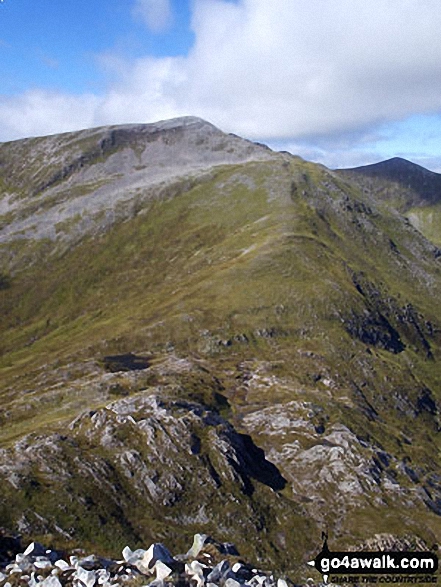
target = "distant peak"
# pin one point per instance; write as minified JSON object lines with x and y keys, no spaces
{"x":391,"y":167}
{"x":424,"y":186}
{"x":399,"y":162}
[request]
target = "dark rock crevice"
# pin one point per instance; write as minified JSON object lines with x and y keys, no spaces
{"x":253,"y":463}
{"x":387,"y":324}
{"x":125,"y":362}
{"x":372,"y":328}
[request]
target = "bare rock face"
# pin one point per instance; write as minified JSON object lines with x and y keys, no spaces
{"x":68,"y":185}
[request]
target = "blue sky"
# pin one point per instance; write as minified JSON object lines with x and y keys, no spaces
{"x":342,"y":82}
{"x":56,"y":44}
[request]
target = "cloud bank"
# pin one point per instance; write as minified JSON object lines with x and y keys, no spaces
{"x":284,"y":70}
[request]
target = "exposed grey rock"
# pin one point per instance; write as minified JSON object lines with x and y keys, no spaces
{"x":242,"y":572}
{"x":43,"y":564}
{"x":44,"y":573}
{"x":53,"y":581}
{"x":63,"y":565}
{"x":86,"y":191}
{"x":219,"y":572}
{"x":196,"y":571}
{"x":137,"y":563}
{"x":131,"y":556}
{"x":93,"y":562}
{"x":104,"y":576}
{"x":153,"y":455}
{"x":158,"y":552}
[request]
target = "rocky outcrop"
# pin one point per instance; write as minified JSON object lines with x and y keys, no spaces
{"x":208,"y":562}
{"x":152,"y":455}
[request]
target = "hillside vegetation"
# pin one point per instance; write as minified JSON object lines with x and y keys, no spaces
{"x":199,"y":334}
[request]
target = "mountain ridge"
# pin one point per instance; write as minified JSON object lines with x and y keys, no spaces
{"x":265,"y":310}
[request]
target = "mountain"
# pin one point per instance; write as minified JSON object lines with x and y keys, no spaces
{"x":410,"y":188}
{"x":419,"y":184}
{"x":76,"y":183}
{"x":202,"y":335}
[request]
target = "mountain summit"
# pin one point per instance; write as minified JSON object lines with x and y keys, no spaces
{"x":200,"y":334}
{"x":407,"y":187}
{"x":422,"y":184}
{"x":50,"y":181}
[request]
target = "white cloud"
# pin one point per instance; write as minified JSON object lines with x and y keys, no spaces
{"x":332,"y":157}
{"x":293,"y":70}
{"x":157,"y":14}
{"x":304,"y":67}
{"x":147,"y":90}
{"x":39,"y":112}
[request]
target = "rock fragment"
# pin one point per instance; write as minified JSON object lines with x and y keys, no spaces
{"x":38,"y":567}
{"x":88,"y":578}
{"x":162,"y":570}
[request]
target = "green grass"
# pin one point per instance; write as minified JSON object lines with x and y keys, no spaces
{"x":427,"y":220}
{"x":221,"y":257}
{"x":252,"y":269}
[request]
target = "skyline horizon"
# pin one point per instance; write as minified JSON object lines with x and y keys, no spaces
{"x":266,"y":144}
{"x":345,"y":84}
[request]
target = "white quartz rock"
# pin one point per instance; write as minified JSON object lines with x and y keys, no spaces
{"x":86,"y":577}
{"x":198,"y":543}
{"x":133,"y":556}
{"x":35,"y":549}
{"x":63,"y":565}
{"x":162,"y":570}
{"x":156,"y":552}
{"x":42,"y":564}
{"x":50,"y":581}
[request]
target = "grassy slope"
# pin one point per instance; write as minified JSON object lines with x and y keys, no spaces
{"x":265,"y":250}
{"x":427,"y":219}
{"x":223,"y":258}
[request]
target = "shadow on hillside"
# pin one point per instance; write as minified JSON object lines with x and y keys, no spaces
{"x":125,"y":362}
